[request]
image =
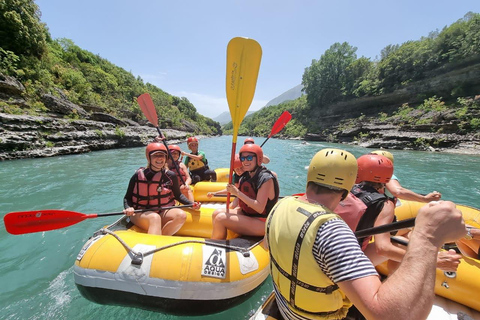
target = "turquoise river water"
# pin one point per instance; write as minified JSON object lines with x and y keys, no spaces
{"x":36,"y":273}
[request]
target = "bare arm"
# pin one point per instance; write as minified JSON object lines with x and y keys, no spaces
{"x":188,"y":180}
{"x":193,"y":156}
{"x":411,"y":288}
{"x":400,"y":192}
{"x":383,"y":245}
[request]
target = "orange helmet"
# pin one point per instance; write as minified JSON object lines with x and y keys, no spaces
{"x":155,"y":147}
{"x":174,"y":147}
{"x":248,"y":140}
{"x":236,"y":162}
{"x":192,"y":139}
{"x":253,"y":148}
{"x":374,"y":168}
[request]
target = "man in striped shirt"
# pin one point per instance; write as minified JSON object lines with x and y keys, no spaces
{"x":318,"y":268}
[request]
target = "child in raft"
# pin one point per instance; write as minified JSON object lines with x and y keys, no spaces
{"x":197,"y":163}
{"x":184,"y":179}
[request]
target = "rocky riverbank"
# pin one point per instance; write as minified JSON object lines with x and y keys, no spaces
{"x":67,"y":128}
{"x":443,"y":135}
{"x":37,"y":136}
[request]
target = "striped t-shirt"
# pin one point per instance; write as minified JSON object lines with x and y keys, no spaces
{"x":338,"y":255}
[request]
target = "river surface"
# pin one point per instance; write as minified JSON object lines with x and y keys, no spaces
{"x":36,"y":270}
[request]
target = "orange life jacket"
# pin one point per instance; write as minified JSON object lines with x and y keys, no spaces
{"x":152,"y":193}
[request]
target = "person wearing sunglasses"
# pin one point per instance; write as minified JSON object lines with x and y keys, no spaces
{"x":266,"y":159}
{"x":257,"y":193}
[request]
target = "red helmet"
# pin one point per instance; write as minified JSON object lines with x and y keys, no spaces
{"x":253,"y":148}
{"x":374,"y":168}
{"x":192,"y":139}
{"x":155,"y":147}
{"x":237,"y":163}
{"x":248,"y":140}
{"x":174,"y":147}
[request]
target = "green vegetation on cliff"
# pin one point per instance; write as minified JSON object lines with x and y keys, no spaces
{"x":339,"y":79}
{"x":61,"y":68}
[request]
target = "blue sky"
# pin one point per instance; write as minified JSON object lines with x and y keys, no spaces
{"x":180,"y":45}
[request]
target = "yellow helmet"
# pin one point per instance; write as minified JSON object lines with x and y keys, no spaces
{"x":384,"y":153}
{"x":333,"y":167}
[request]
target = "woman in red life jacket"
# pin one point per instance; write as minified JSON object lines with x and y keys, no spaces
{"x":175,"y":151}
{"x":257,"y":193}
{"x":154,"y":187}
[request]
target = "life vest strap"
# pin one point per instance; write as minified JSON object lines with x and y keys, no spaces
{"x":326,"y":290}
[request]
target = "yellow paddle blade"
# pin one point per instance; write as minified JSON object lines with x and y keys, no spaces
{"x":243,"y":63}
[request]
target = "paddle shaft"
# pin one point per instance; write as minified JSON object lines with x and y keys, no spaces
{"x":264,"y":142}
{"x":149,"y":111}
{"x":170,"y":155}
{"x":94,"y":215}
{"x":407,"y":223}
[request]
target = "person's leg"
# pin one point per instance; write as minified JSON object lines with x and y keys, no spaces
{"x":196,"y":178}
{"x":172,"y":221}
{"x":149,"y":221}
{"x":211,"y":175}
{"x":219,"y":232}
{"x":238,"y":223}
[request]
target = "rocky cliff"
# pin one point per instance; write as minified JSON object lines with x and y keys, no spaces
{"x":358,"y":121}
{"x":36,"y":136}
{"x":66,"y":128}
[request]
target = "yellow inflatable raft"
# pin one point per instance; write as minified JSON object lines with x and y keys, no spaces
{"x":462,"y":286}
{"x":186,"y":273}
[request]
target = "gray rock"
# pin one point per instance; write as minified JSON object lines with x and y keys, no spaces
{"x":10,"y":85}
{"x":62,"y":106}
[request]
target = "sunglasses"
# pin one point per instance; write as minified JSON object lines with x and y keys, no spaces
{"x":248,"y":158}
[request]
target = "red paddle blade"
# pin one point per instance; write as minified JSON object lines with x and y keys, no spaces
{"x":285,"y":117}
{"x":148,"y":108}
{"x":41,"y":220}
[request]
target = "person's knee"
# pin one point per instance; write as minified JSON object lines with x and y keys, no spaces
{"x":213,"y":176}
{"x":181,"y":216}
{"x":217,"y":212}
{"x":196,"y":178}
{"x":220,"y":217}
{"x":155,"y":219}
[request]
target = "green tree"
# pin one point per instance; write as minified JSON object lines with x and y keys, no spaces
{"x":326,"y":78}
{"x":20,"y":28}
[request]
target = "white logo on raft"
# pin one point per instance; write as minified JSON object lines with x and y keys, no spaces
{"x":214,"y":262}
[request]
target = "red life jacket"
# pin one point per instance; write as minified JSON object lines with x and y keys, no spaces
{"x":250,"y":186}
{"x":183,"y":174}
{"x":154,"y":193}
{"x":351,"y":209}
{"x":374,"y":202}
